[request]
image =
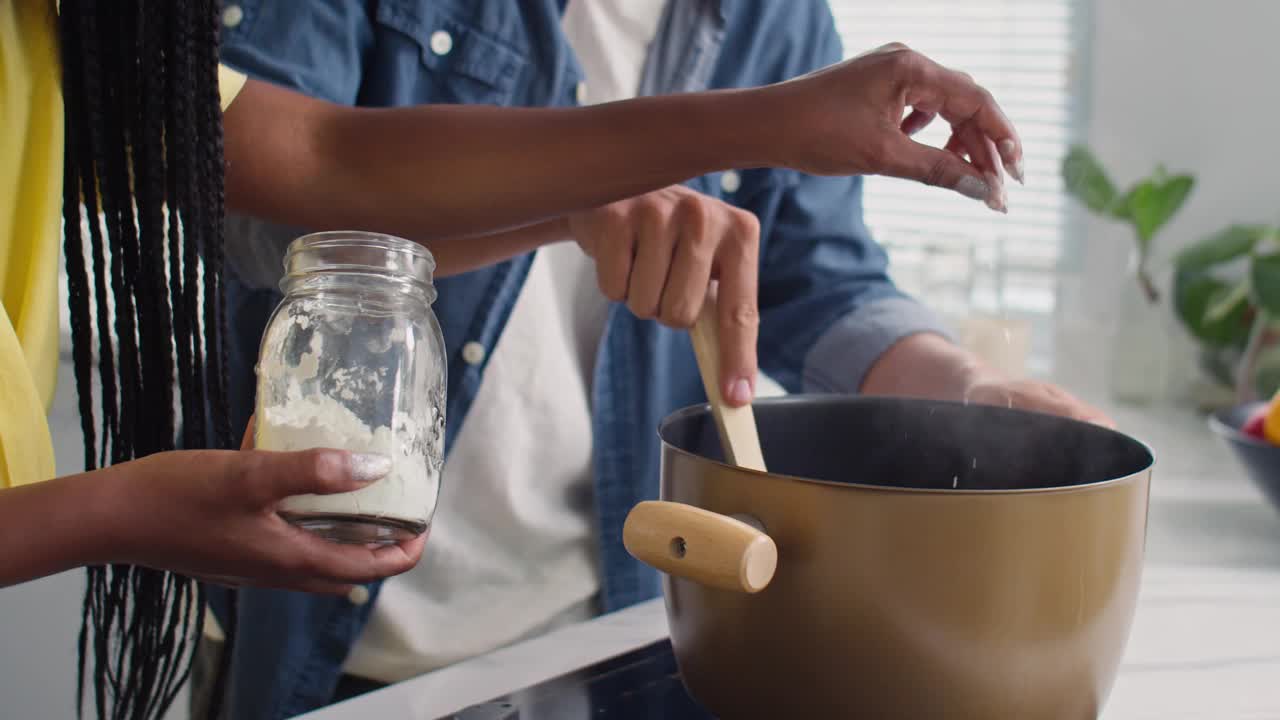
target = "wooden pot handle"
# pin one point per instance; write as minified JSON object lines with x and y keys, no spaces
{"x":699,"y":545}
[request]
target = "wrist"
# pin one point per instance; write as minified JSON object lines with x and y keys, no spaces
{"x":737,"y":129}
{"x":557,"y":229}
{"x":777,"y":125}
{"x":973,"y":372}
{"x":108,"y":519}
{"x":930,"y":366}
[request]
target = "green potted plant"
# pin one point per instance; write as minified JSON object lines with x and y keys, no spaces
{"x":1139,"y":358}
{"x":1227,"y":295}
{"x":1226,"y":286}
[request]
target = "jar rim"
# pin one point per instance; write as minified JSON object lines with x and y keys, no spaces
{"x":361,"y":238}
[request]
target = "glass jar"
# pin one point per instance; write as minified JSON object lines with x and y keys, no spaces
{"x":353,"y":358}
{"x":1141,"y":350}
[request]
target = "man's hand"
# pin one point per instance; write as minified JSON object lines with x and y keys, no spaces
{"x":929,"y":366}
{"x":1032,"y":395}
{"x":659,"y":253}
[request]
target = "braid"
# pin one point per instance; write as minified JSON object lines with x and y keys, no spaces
{"x":73,"y":249}
{"x":78,"y":302}
{"x":144,"y":170}
{"x":183,"y":328}
{"x":209,"y":112}
{"x":87,"y":145}
{"x":182,"y":126}
{"x":157,"y":348}
{"x":114,"y":186}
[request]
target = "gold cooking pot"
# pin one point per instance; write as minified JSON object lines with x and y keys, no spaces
{"x":902,"y":558}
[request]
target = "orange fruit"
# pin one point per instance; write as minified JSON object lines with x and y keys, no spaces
{"x":1271,"y":421}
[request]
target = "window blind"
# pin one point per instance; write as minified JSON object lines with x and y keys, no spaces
{"x":949,"y":251}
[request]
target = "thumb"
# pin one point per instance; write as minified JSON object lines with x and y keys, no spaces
{"x":934,"y":166}
{"x":320,"y":471}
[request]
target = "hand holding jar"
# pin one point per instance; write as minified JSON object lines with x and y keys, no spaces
{"x":207,"y":514}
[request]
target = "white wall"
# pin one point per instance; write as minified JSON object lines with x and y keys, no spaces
{"x":1195,"y":85}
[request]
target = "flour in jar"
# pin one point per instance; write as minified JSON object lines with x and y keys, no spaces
{"x":301,"y":421}
{"x":407,"y":493}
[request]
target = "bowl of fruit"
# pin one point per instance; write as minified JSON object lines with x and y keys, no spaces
{"x":1253,"y":432}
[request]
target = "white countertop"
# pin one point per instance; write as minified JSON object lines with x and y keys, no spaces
{"x":1205,"y":642}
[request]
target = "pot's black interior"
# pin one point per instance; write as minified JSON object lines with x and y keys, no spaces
{"x":923,"y":444}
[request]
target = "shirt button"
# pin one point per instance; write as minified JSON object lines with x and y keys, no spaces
{"x":358,"y":595}
{"x":582,"y":93}
{"x":441,"y":42}
{"x":730,"y":181}
{"x":473,"y":353}
{"x":232,"y":15}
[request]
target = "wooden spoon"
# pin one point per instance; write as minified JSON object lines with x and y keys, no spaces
{"x":737,"y":425}
{"x":719,"y":551}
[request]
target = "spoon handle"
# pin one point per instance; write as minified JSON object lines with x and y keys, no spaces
{"x":737,"y":425}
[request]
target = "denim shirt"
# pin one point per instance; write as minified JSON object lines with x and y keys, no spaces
{"x":827,"y":307}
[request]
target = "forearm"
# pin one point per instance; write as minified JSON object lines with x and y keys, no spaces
{"x":465,"y":254}
{"x":924,"y":365}
{"x":53,"y":526}
{"x":452,"y":171}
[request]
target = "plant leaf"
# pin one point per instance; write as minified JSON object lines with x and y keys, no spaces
{"x":1267,"y":374}
{"x":1222,"y":246}
{"x":1150,"y":204}
{"x":1222,"y":304}
{"x":1173,"y":195}
{"x":1137,"y":206}
{"x":1207,"y":308}
{"x":1086,"y":181}
{"x":1264,"y":276}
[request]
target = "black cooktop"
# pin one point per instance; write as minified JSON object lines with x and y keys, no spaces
{"x":643,"y":683}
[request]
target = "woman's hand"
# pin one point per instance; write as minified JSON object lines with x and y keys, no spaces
{"x":659,"y":253}
{"x":848,"y":119}
{"x":211,"y":514}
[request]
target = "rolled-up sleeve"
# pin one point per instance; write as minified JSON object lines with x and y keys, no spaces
{"x":839,"y":361}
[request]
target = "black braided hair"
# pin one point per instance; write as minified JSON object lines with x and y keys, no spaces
{"x":144,"y":174}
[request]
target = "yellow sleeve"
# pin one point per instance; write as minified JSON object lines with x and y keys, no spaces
{"x":26,"y":448}
{"x":229,"y":84}
{"x":31,"y":136}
